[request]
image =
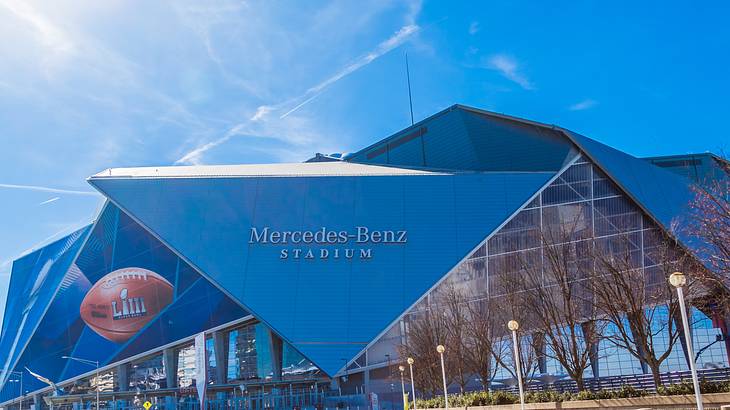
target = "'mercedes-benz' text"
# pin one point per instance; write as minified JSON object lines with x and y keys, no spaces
{"x":307,"y":244}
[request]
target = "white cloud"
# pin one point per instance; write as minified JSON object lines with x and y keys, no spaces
{"x":48,"y":189}
{"x":51,"y":35}
{"x":48,"y":201}
{"x":474,"y":27}
{"x":261,"y":112}
{"x":583,"y":105}
{"x":510,"y":69}
{"x":204,"y":20}
{"x":125,"y":96}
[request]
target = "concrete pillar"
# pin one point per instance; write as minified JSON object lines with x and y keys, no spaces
{"x":123,"y":377}
{"x":169,"y":360}
{"x":276,"y":346}
{"x":220,"y":345}
{"x":366,"y":381}
{"x":37,"y":402}
{"x":680,"y":327}
{"x":335,"y":384}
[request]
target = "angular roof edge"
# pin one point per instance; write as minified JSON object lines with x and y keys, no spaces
{"x":637,"y":189}
{"x":582,"y":143}
{"x":297,"y":169}
{"x":445,"y":111}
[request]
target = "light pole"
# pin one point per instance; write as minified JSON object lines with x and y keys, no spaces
{"x":413,"y":385}
{"x":90,"y":363}
{"x":402,"y":369}
{"x":678,"y":280}
{"x":22,"y":393}
{"x":513,"y":326}
{"x":441,"y":349}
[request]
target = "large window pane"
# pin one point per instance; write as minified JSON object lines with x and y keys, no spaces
{"x":522,"y":232}
{"x":295,"y":366}
{"x":564,"y":223}
{"x":572,"y":186}
{"x":148,"y":374}
{"x":616,"y":215}
{"x":186,"y":366}
{"x":242,"y":355}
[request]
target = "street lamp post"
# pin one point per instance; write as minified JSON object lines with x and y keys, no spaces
{"x":22,"y":393}
{"x":441,"y":349}
{"x":678,"y":280}
{"x":402,"y":369}
{"x":90,"y":363}
{"x":413,"y":385}
{"x":513,"y":326}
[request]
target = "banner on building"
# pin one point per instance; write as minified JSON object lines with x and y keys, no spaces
{"x":201,"y":368}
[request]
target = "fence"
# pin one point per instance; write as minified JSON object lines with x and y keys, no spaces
{"x":638,"y":381}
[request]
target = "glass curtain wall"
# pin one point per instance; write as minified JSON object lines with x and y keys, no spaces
{"x":594,"y":207}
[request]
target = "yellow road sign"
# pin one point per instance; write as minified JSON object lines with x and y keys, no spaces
{"x":147,"y":405}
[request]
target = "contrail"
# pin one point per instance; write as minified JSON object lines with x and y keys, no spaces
{"x":383,"y":48}
{"x":49,"y":189}
{"x":48,"y":201}
{"x":193,"y":157}
{"x":300,"y":105}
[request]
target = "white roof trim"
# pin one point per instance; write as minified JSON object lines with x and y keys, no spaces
{"x":309,"y":169}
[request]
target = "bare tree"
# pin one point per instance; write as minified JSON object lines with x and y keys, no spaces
{"x":427,"y":329}
{"x":709,"y":221}
{"x":561,"y":301}
{"x":485,"y":345}
{"x":456,"y":314}
{"x":633,"y":298}
{"x":510,"y":301}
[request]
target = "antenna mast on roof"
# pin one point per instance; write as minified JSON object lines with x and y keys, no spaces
{"x":410,"y":98}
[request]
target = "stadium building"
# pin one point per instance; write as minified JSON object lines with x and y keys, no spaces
{"x":302,"y":277}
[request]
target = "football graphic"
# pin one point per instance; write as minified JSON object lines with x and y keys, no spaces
{"x":123,"y":301}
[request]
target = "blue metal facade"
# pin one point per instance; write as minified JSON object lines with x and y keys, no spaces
{"x":44,"y":323}
{"x":700,"y":168}
{"x":35,"y":279}
{"x":464,"y":139}
{"x":199,"y":233}
{"x":318,"y":305}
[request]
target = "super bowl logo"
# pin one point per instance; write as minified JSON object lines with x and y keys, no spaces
{"x":122,"y":302}
{"x":127,"y":307}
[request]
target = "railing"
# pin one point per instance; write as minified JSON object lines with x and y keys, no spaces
{"x":638,"y":381}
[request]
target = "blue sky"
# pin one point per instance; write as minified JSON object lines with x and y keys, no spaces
{"x":87,"y":85}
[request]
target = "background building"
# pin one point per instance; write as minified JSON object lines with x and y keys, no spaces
{"x":305,"y":277}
